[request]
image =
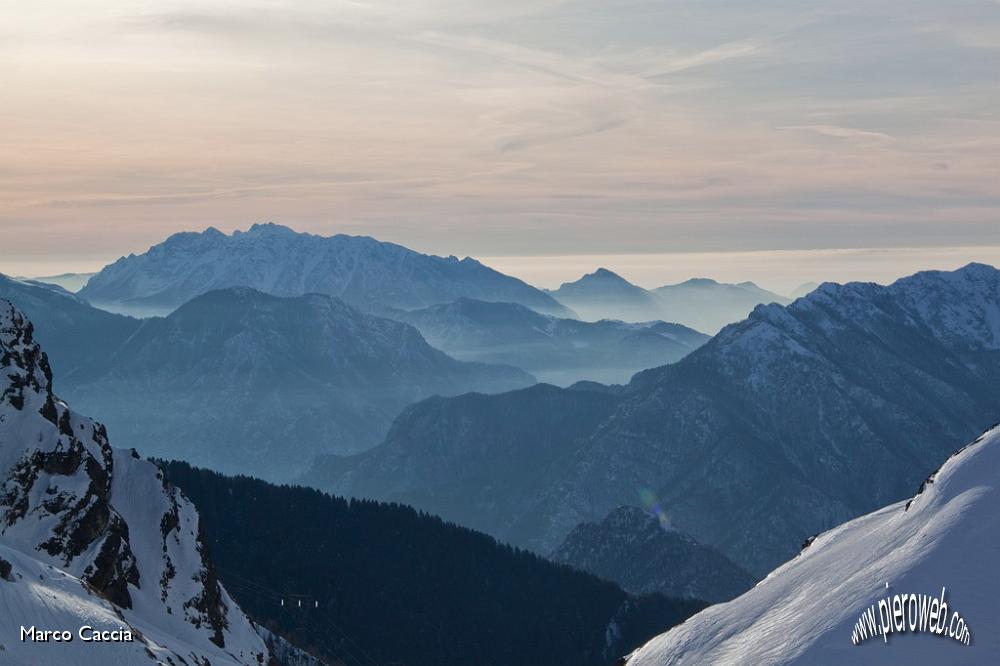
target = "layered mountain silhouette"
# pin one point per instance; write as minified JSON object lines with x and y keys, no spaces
{"x":246,"y":382}
{"x":783,"y":425}
{"x":367,"y":273}
{"x":75,"y":333}
{"x":560,"y":351}
{"x":703,"y":304}
{"x":71,"y":282}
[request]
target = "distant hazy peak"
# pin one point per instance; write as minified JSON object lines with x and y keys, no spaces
{"x":601,"y":275}
{"x":604,"y":273}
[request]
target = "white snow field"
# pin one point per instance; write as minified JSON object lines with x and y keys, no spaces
{"x":805,"y":611}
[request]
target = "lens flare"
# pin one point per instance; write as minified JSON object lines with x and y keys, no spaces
{"x":652,"y":506}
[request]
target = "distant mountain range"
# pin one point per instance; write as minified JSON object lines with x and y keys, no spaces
{"x":703,"y":304}
{"x":940,"y":543}
{"x":93,"y":536}
{"x":633,"y":549}
{"x":781,"y":426}
{"x":369,"y":274}
{"x":246,"y":382}
{"x":560,"y":351}
{"x":71,"y":282}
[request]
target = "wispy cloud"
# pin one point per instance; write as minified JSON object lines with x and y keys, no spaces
{"x":471,"y":125}
{"x":712,"y":56}
{"x":854,"y":135}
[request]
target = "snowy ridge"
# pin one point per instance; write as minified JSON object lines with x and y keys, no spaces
{"x":279,"y":261}
{"x":804,"y":612}
{"x":93,"y":535}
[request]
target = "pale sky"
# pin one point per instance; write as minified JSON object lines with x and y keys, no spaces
{"x":501,"y":129}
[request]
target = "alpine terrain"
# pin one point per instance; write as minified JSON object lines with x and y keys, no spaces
{"x":943,"y":542}
{"x":91,"y":536}
{"x":245,"y":382}
{"x":255,"y":370}
{"x":638,"y":551}
{"x":362,"y":271}
{"x":783,"y":425}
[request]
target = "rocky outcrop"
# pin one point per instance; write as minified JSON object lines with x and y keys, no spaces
{"x":644,"y":555}
{"x":104,"y":518}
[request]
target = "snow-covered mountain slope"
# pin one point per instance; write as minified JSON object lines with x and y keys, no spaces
{"x":635,"y":549}
{"x":367,"y":273}
{"x":91,"y":535}
{"x":703,"y":304}
{"x":245,"y":382}
{"x":947,"y":536}
{"x":558,"y":351}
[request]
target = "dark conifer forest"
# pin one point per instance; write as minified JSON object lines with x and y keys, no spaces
{"x":364,"y":582}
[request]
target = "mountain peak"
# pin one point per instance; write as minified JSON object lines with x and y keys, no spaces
{"x":602,"y":278}
{"x":632,"y":548}
{"x":25,"y":366}
{"x":367,"y":273}
{"x":605,"y":274}
{"x":698,"y":282}
{"x":630,"y":516}
{"x":270,"y":229}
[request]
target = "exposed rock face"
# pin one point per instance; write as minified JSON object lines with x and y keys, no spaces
{"x":103,"y":523}
{"x":632,"y":548}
